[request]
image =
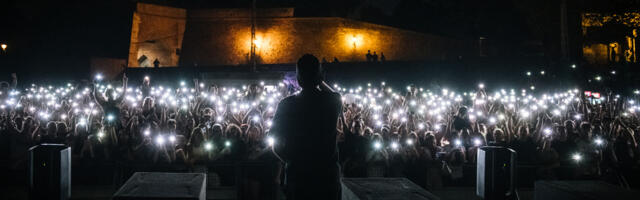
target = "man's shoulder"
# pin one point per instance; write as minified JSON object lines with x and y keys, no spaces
{"x":333,"y":95}
{"x":287,"y":100}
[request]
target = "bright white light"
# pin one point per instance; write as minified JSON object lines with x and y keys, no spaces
{"x":44,"y":115}
{"x":492,"y":120}
{"x":477,"y":142}
{"x":394,"y":145}
{"x":82,"y":122}
{"x":110,"y":117}
{"x":271,"y":141}
{"x":599,"y":141}
{"x":409,"y":142}
{"x":208,"y":146}
{"x":525,"y":113}
{"x":100,"y":134}
{"x":577,"y":117}
{"x":528,"y":73}
{"x":256,"y":118}
{"x":227,"y":144}
{"x":457,"y":142}
{"x":556,"y":112}
{"x":147,"y":132}
{"x":99,"y":77}
{"x":377,"y":145}
{"x":481,"y":85}
{"x":547,"y":131}
{"x":577,"y":157}
{"x":160,"y":140}
{"x":172,"y":138}
{"x":573,"y":66}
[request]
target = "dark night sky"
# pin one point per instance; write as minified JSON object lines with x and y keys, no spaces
{"x":52,"y":37}
{"x":60,"y":36}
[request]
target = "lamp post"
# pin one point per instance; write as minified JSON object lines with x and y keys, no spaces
{"x":253,"y":36}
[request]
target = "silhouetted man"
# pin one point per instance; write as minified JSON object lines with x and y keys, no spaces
{"x":156,"y":63}
{"x":374,"y":57}
{"x":304,"y":128}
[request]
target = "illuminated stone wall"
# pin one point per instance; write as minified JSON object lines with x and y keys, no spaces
{"x":209,"y":37}
{"x":284,"y":40}
{"x":157,"y":33}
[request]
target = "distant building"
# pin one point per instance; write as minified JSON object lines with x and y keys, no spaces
{"x":212,"y":37}
{"x":610,"y":38}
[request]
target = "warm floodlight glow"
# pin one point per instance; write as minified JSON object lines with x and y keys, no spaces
{"x":257,"y":42}
{"x":354,"y":41}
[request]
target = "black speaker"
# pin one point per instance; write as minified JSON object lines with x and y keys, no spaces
{"x":496,"y":173}
{"x":50,"y":172}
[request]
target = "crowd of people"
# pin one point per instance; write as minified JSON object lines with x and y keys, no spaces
{"x":425,"y":135}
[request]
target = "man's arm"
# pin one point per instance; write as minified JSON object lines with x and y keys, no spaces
{"x":124,"y":88}
{"x":14,"y":81}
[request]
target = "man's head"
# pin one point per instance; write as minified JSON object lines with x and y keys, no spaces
{"x":309,"y":71}
{"x":462,"y":111}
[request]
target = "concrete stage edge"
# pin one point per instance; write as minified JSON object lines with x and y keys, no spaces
{"x":164,"y":186}
{"x":383,"y":189}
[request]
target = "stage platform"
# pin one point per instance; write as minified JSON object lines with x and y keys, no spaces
{"x":383,"y":189}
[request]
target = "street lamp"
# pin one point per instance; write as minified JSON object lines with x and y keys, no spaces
{"x":3,"y":46}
